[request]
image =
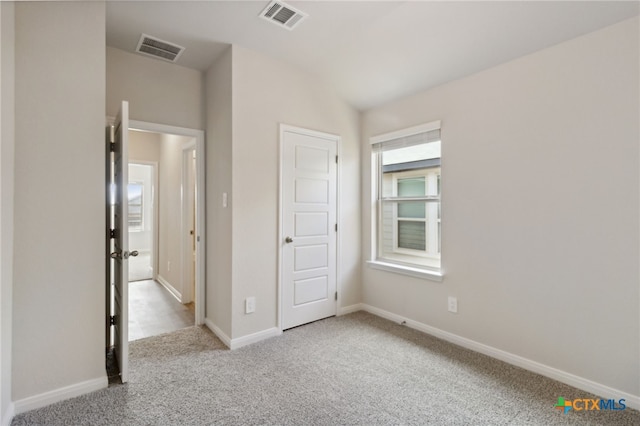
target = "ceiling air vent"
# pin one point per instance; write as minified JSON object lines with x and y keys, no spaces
{"x":159,"y":48}
{"x":283,"y":15}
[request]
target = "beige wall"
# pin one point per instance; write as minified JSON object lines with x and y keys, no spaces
{"x":144,"y":146}
{"x":540,"y":208}
{"x":266,"y":93}
{"x":58,"y":303}
{"x":170,"y":209}
{"x":218,"y":174}
{"x":7,"y":147}
{"x":158,"y":92}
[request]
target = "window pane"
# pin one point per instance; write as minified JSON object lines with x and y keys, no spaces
{"x":134,"y":192}
{"x":411,"y":235}
{"x":412,"y":209}
{"x":421,"y":152}
{"x":410,"y":187}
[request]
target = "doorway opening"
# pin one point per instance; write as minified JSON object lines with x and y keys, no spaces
{"x":156,"y":245}
{"x":161,"y":227}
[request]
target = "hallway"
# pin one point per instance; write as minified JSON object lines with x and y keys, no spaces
{"x":153,"y":310}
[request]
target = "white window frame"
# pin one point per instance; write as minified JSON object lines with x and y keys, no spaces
{"x":432,"y":249}
{"x":376,"y":260}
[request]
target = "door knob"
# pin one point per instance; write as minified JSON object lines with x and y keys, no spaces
{"x":288,"y":240}
{"x":128,"y":254}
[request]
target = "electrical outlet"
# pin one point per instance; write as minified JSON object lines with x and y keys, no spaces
{"x":168,"y":266}
{"x":452,"y":304}
{"x":249,"y":305}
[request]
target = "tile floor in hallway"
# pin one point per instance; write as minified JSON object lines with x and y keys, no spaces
{"x":153,"y":310}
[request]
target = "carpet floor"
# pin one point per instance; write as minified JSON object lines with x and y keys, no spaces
{"x":357,"y":369}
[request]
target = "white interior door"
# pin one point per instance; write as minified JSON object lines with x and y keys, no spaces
{"x":309,"y":227}
{"x":121,"y":241}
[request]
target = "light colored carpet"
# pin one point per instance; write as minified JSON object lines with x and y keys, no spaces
{"x":353,"y":370}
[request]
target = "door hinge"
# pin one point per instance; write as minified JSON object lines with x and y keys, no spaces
{"x":112,"y":233}
{"x":336,"y":295}
{"x":112,"y":147}
{"x":336,"y":227}
{"x":112,"y":320}
{"x":336,"y":159}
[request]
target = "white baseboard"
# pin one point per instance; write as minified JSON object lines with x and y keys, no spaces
{"x":254,"y":338}
{"x":244,"y":340}
{"x":632,"y":401}
{"x":57,"y":395}
{"x":7,"y":416}
{"x":218,"y":332}
{"x":350,"y":309}
{"x":166,"y":284}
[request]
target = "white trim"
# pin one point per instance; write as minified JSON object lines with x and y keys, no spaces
{"x":218,"y":332}
{"x":407,"y":270}
{"x":8,"y":415}
{"x":185,"y":241}
{"x":350,"y":309}
{"x":632,"y":401}
{"x":280,"y":228}
{"x":254,"y":338}
{"x":239,"y":342}
{"x":201,"y":222}
{"x":339,"y":231}
{"x":146,"y":126}
{"x":166,"y":284}
{"x":410,"y":131}
{"x":61,"y":394}
{"x":200,"y":214}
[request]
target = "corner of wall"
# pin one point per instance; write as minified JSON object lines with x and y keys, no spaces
{"x":7,"y":148}
{"x":218,"y":124}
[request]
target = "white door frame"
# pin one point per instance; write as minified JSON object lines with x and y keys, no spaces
{"x":185,"y":241}
{"x":288,"y":128}
{"x":200,"y":213}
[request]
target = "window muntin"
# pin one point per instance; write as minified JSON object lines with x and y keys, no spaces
{"x":408,"y":226}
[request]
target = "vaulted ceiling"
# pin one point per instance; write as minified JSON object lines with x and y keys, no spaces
{"x":371,"y":51}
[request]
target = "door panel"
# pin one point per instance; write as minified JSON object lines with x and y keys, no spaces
{"x":309,"y":200}
{"x":311,"y":224}
{"x":311,"y":257}
{"x":121,"y":241}
{"x":311,"y":290}
{"x":314,"y":191}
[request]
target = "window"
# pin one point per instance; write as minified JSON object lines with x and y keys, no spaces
{"x":407,"y":171}
{"x":135,"y":206}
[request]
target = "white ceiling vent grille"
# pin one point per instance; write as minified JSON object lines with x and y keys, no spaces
{"x":160,"y":49}
{"x":283,"y":15}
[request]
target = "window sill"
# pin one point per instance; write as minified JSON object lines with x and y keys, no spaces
{"x":406,"y":270}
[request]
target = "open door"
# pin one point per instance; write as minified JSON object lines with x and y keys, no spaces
{"x":120,"y":255}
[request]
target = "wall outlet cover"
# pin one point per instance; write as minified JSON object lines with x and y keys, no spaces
{"x":452,"y":304}
{"x":249,"y":305}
